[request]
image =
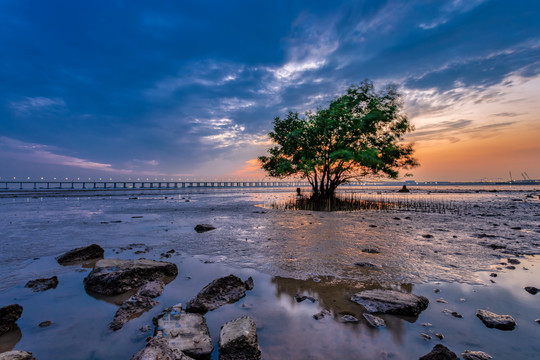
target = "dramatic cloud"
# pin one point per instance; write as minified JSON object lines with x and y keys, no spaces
{"x":170,"y":88}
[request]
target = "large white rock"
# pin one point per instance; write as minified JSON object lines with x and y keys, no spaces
{"x":238,"y":340}
{"x":391,"y":302}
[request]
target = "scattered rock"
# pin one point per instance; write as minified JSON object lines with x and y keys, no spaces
{"x":16,"y":355}
{"x":145,"y":328}
{"x":492,"y":320}
{"x":114,"y":276}
{"x":372,"y":226}
{"x":475,"y":355}
{"x":511,"y":267}
{"x":8,"y":317}
{"x":537,"y":320}
{"x":81,"y":254}
{"x":321,"y":314}
{"x":238,"y":340}
{"x":44,"y":324}
{"x":371,"y":251}
{"x":427,"y":324}
{"x":440,"y":352}
{"x":532,"y":290}
{"x":516,"y":228}
{"x":439,"y":335}
{"x":219,"y":292}
{"x":158,"y":348}
{"x":513,"y":261}
{"x":136,"y":217}
{"x":442,"y":301}
{"x":428,"y":236}
{"x":426,"y":336}
{"x":348,"y":319}
{"x":436,"y":291}
{"x":204,"y":228}
{"x":184,"y":332}
{"x":42,"y":284}
{"x":374,"y":321}
{"x":137,"y":304}
{"x":493,"y":275}
{"x":391,"y":302}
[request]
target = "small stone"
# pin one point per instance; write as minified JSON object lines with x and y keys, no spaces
{"x":249,"y":283}
{"x":45,"y":324}
{"x":427,"y":324}
{"x":475,"y":355}
{"x":204,"y":228}
{"x":428,"y":236}
{"x":321,"y":314}
{"x":145,"y":328}
{"x":374,"y":321}
{"x":439,"y":352}
{"x":348,"y":319}
{"x":442,"y":301}
{"x":511,"y":267}
{"x":492,"y":320}
{"x":436,"y":291}
{"x":493,"y":275}
{"x":439,"y":335}
{"x":39,"y":285}
{"x":532,"y":290}
{"x":366,"y":265}
{"x":370,"y":251}
{"x":425,"y":336}
{"x":453,"y":313}
{"x":513,"y":261}
{"x":537,"y":321}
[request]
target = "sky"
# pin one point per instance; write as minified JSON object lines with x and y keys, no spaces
{"x":189,"y":89}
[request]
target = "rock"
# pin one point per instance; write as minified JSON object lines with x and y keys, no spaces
{"x":404,"y":189}
{"x":8,"y":317}
{"x":366,"y":265}
{"x":513,"y":261}
{"x":203,"y":228}
{"x":300,"y":298}
{"x":238,"y":340}
{"x":44,"y":324}
{"x":511,"y":267}
{"x":391,"y":302}
{"x":114,"y":276}
{"x":493,"y":275}
{"x":184,"y":332}
{"x":425,"y":336}
{"x":532,"y":290}
{"x":160,"y":349}
{"x":475,"y":355}
{"x":440,"y":352}
{"x":16,"y":355}
{"x":321,"y":314}
{"x":453,"y":313}
{"x":371,"y":251}
{"x":42,"y":284}
{"x":442,"y":301}
{"x":348,"y":319}
{"x":249,"y":283}
{"x":152,"y":289}
{"x":219,"y":292}
{"x":81,"y":254}
{"x":137,"y":304}
{"x":537,"y":321}
{"x":145,"y":328}
{"x":492,"y":320}
{"x":439,"y":335}
{"x":374,"y":321}
{"x":428,"y":236}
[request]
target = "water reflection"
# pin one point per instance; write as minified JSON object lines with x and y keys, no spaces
{"x":10,"y":339}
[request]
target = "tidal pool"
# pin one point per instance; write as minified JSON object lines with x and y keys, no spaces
{"x":287,"y":253}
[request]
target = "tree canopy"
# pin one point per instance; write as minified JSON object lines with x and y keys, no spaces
{"x":360,"y":133}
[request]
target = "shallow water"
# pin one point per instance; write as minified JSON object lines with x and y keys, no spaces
{"x":286,"y":252}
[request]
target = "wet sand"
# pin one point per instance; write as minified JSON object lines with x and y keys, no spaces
{"x":286,"y":252}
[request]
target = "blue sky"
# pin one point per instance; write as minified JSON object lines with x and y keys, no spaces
{"x":189,"y":89}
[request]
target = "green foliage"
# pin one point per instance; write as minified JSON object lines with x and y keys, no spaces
{"x":358,"y":134}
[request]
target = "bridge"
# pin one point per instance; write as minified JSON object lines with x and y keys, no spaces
{"x":143,"y":185}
